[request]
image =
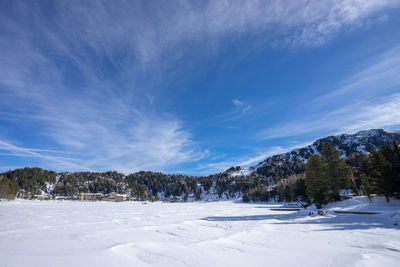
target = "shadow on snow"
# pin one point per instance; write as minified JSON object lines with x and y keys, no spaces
{"x":328,"y":223}
{"x":250,"y":217}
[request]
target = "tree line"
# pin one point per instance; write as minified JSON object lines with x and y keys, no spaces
{"x":326,"y":175}
{"x":143,"y":185}
{"x":377,"y":173}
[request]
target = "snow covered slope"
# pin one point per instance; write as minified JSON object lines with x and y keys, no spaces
{"x":293,"y":162}
{"x":66,"y":233}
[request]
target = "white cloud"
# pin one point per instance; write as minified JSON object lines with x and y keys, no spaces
{"x":380,"y":74}
{"x":150,"y":98}
{"x":247,"y":161}
{"x":368,"y":99}
{"x":103,"y":144}
{"x":149,"y":33}
{"x":237,"y":103}
{"x":98,"y":129}
{"x":381,"y":115}
{"x":96,"y":115}
{"x":346,"y":119}
{"x":19,"y":151}
{"x":246,"y":108}
{"x":243,"y":109}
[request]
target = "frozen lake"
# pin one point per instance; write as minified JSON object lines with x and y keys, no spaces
{"x":55,"y":233}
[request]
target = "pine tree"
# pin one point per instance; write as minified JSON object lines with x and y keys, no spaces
{"x":338,"y":173}
{"x":368,"y":185}
{"x":8,"y":187}
{"x":380,"y":171}
{"x":396,"y":167}
{"x":300,"y":191}
{"x":317,"y":181}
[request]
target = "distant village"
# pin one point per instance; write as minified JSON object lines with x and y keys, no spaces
{"x":111,"y":197}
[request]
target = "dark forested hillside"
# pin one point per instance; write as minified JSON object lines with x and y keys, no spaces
{"x":348,"y":145}
{"x":34,"y":182}
{"x":280,"y":177}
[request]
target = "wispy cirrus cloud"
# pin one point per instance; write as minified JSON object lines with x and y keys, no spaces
{"x":368,"y":99}
{"x":68,"y":82}
{"x":247,"y":161}
{"x":89,"y":144}
{"x":85,"y":75}
{"x":379,"y":74}
{"x":243,"y":107}
{"x":385,"y":114}
{"x":19,"y":151}
{"x":347,"y":119}
{"x":145,"y":32}
{"x":237,"y":102}
{"x":97,"y":131}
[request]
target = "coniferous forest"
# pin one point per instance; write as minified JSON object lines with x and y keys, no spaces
{"x":327,"y":175}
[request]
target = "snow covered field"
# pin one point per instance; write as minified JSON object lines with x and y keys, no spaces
{"x":56,"y":233}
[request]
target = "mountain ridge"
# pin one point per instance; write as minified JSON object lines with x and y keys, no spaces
{"x":360,"y":142}
{"x":259,"y":181}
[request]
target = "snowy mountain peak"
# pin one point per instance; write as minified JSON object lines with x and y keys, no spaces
{"x":372,"y":132}
{"x":293,"y":162}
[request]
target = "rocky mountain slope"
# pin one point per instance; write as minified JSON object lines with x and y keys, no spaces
{"x":293,"y":162}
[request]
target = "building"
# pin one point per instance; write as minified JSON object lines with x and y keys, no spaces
{"x":120,"y":198}
{"x":42,"y":197}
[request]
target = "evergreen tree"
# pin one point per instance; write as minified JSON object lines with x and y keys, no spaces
{"x":380,"y":172}
{"x":338,"y":173}
{"x":368,"y":185}
{"x":396,"y":167}
{"x":300,"y":191}
{"x":317,"y":181}
{"x":392,"y":181}
{"x":8,"y":187}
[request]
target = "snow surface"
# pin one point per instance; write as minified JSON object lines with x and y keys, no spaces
{"x":393,"y":131}
{"x":241,"y":172}
{"x":225,"y":233}
{"x":50,"y":187}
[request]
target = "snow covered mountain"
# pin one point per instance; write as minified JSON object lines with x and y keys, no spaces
{"x":293,"y":162}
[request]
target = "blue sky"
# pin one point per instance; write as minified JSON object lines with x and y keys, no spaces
{"x":190,"y":86}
